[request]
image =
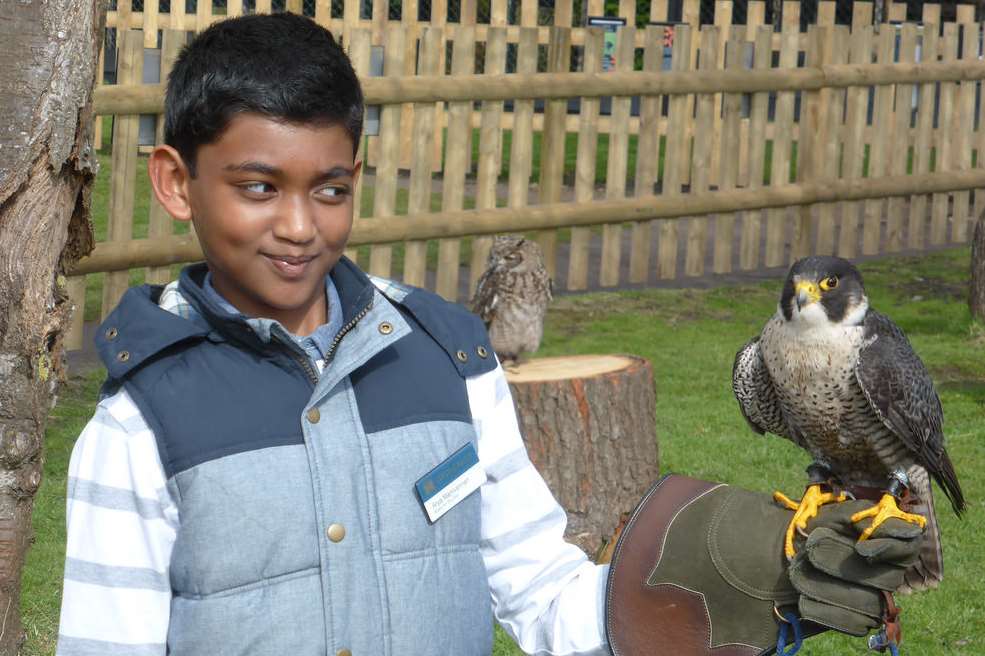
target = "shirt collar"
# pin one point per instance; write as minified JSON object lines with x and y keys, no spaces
{"x":316,"y":345}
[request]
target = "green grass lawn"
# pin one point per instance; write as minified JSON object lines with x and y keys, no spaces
{"x":691,"y":337}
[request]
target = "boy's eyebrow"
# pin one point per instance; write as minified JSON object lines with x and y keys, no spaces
{"x":266,"y":169}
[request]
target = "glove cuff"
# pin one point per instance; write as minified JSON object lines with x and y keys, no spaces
{"x":640,"y":618}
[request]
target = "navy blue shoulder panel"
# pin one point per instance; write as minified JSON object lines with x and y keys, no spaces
{"x":138,"y":329}
{"x":410,"y":382}
{"x":460,"y":333}
{"x":211,"y":400}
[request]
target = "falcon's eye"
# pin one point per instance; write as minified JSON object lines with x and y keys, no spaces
{"x":829,"y":283}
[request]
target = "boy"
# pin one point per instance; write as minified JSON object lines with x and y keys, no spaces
{"x":247,"y":484}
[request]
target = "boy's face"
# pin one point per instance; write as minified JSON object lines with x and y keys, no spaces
{"x":272,"y":206}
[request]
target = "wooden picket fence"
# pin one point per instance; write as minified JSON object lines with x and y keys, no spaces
{"x":747,"y":155}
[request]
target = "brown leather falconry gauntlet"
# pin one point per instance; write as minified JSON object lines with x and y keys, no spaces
{"x":700,"y":570}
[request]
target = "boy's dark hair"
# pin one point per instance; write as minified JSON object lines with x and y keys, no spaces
{"x":283,"y":66}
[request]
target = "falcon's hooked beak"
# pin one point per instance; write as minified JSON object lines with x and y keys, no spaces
{"x":807,"y":293}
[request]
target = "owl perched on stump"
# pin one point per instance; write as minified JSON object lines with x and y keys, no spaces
{"x":512,"y":296}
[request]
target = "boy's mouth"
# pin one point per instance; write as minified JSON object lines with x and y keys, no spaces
{"x":288,"y":265}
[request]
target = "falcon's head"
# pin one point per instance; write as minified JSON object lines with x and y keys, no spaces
{"x":823,"y":290}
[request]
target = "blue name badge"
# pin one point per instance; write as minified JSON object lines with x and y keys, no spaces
{"x":454,"y":479}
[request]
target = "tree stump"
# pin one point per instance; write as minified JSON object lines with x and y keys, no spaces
{"x":976,"y":294}
{"x":589,"y":426}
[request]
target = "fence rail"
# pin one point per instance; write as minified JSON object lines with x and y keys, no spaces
{"x":754,"y":148}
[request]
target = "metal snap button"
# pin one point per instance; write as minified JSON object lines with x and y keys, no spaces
{"x":462,"y":356}
{"x":112,"y":333}
{"x":313,"y":415}
{"x":335,"y":532}
{"x":123,"y":356}
{"x":481,"y":350}
{"x":386,"y":328}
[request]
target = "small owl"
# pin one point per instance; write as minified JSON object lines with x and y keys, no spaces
{"x":512,"y":297}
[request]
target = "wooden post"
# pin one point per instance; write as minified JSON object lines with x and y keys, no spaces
{"x":811,"y":124}
{"x":860,"y":52}
{"x":489,"y":149}
{"x":873,"y":209}
{"x":676,"y":153}
{"x":943,"y":139}
{"x":585,"y":163}
{"x":697,"y":233}
{"x":552,"y":144}
{"x":588,"y":423}
{"x":160,"y":223}
{"x":828,"y":155}
{"x":729,"y":158}
{"x":647,"y":157}
{"x":900,"y":143}
{"x":385,"y":194}
{"x":752,"y":221}
{"x":359,"y":44}
{"x":419,"y":198}
{"x":453,"y":183}
{"x":130,"y":65}
{"x":776,"y":225}
{"x":916,"y":232}
{"x":615,"y":179}
{"x":965,"y":123}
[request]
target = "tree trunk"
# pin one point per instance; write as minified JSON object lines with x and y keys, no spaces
{"x":976,"y":296}
{"x":589,"y":426}
{"x":47,"y":72}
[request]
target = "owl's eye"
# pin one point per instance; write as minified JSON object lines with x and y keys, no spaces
{"x":829,"y":283}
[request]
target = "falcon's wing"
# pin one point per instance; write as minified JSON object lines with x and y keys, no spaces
{"x":901,"y":393}
{"x":753,"y":388}
{"x":485,"y":299}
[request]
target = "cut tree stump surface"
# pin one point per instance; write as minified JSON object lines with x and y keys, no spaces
{"x":588,"y":422}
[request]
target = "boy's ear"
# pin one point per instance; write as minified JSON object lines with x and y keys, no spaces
{"x":169,"y":178}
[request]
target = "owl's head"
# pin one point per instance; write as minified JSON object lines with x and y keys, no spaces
{"x":515,"y":253}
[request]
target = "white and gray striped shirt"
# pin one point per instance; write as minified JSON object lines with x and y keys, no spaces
{"x":122,"y":524}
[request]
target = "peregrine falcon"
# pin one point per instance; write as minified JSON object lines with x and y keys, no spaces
{"x":842,"y":382}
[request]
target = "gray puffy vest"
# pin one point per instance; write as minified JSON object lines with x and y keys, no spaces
{"x":300,"y":530}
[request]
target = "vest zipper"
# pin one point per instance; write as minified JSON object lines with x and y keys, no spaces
{"x":345,"y":329}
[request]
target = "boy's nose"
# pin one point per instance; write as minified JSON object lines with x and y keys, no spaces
{"x":295,"y":221}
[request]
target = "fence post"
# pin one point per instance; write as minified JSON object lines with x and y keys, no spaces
{"x":729,"y":157}
{"x":697,"y":233}
{"x":873,"y":209}
{"x":829,"y":154}
{"x":943,"y":138}
{"x":812,"y":125}
{"x":552,"y":144}
{"x":647,"y":157}
{"x":129,"y":67}
{"x":917,"y":228}
{"x":585,"y":163}
{"x":616,"y":166}
{"x":965,"y":121}
{"x":453,"y":184}
{"x":752,"y":221}
{"x":900,"y":143}
{"x":160,"y":223}
{"x":385,"y":194}
{"x":360,"y":41}
{"x":677,"y":152}
{"x":489,"y":147}
{"x":419,"y":198}
{"x":783,"y":132}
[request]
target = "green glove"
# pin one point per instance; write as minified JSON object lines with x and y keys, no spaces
{"x":700,"y":565}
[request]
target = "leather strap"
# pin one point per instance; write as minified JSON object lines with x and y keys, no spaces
{"x":641,"y":619}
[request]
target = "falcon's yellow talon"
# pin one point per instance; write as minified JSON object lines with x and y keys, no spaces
{"x":785,"y":500}
{"x":882,"y":511}
{"x":806,"y":509}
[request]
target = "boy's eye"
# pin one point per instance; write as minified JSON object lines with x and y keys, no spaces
{"x":334,"y":191}
{"x":257,"y":187}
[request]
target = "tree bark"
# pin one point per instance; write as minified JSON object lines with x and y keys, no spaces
{"x":976,"y":296}
{"x":48,"y":55}
{"x":589,"y":426}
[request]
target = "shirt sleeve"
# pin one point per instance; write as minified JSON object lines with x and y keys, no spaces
{"x":545,"y":592}
{"x":121,"y":524}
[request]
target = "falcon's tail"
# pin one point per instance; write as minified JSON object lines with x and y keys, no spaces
{"x":928,"y":571}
